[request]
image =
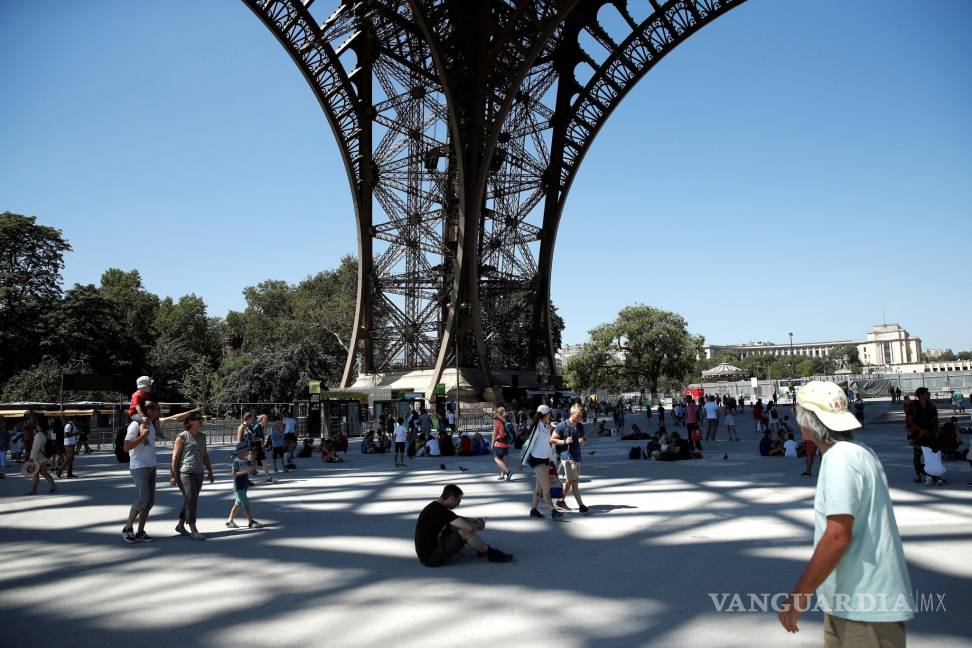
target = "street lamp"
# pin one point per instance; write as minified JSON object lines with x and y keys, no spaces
{"x":791,"y":359}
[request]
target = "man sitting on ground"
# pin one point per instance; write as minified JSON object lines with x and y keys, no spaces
{"x":441,"y":534}
{"x":635,"y":435}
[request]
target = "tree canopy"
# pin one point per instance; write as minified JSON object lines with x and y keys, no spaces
{"x":642,"y":348}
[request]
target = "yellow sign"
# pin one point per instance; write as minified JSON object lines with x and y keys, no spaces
{"x":314,"y":387}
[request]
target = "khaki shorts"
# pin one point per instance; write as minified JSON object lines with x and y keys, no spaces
{"x":572,"y":470}
{"x":844,"y":633}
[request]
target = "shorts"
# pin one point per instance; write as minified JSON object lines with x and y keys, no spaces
{"x":572,"y":469}
{"x":399,"y":446}
{"x":500,"y":452}
{"x":450,"y":543}
{"x":242,"y":499}
{"x":844,"y":633}
{"x":144,"y":479}
{"x":259,"y":454}
{"x":278,"y":453}
{"x":534,"y":461}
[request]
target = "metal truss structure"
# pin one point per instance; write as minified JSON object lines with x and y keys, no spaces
{"x":462,"y":124}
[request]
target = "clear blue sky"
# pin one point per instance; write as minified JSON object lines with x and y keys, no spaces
{"x":823,"y":146}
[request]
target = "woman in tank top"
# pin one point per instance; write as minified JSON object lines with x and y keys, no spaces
{"x":189,"y":457}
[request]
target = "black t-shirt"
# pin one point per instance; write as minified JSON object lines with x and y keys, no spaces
{"x":431,"y":521}
{"x":925,"y":417}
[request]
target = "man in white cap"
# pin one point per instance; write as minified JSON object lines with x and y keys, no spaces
{"x":858,"y":568}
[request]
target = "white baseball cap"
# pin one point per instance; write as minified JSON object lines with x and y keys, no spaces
{"x":144,"y":381}
{"x":543,"y":410}
{"x":829,"y":402}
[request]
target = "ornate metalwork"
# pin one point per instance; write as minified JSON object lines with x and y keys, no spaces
{"x":462,"y":124}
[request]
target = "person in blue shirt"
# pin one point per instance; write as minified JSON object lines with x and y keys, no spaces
{"x":569,"y":438}
{"x":858,"y":570}
{"x":243,"y":467}
{"x":766,"y":443}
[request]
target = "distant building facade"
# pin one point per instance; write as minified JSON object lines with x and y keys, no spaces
{"x":885,"y":345}
{"x":935,"y":354}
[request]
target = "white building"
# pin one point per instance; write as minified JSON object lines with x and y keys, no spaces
{"x":884,"y":345}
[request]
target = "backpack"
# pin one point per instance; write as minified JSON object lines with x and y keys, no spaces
{"x":634,"y":453}
{"x":120,"y":454}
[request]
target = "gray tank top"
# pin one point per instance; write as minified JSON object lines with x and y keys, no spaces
{"x":192,"y":453}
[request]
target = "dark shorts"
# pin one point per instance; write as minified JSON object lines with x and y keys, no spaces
{"x":399,"y":446}
{"x":500,"y":453}
{"x":278,"y":453}
{"x":450,"y":543}
{"x":259,"y":454}
{"x":534,"y":462}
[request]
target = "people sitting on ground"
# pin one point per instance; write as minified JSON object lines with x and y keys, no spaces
{"x":677,"y":450}
{"x":446,"y":447}
{"x":342,"y":442}
{"x":602,"y":429}
{"x":777,"y":449}
{"x":307,"y":449}
{"x":368,"y":442}
{"x":432,"y":447}
{"x":636,"y":434}
{"x":932,"y":463}
{"x":949,"y":442}
{"x":766,"y":443}
{"x":382,"y":443}
{"x":465,"y":448}
{"x":440,"y":534}
{"x":329,"y":451}
{"x":790,"y":447}
{"x":479,"y":445}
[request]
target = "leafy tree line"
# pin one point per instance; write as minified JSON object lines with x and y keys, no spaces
{"x":643,"y":349}
{"x":286,"y":335}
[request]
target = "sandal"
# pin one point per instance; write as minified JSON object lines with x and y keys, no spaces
{"x":181,"y":530}
{"x":232,"y":525}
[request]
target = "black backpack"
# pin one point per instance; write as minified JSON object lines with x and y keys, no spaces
{"x":120,"y":454}
{"x":634,"y":453}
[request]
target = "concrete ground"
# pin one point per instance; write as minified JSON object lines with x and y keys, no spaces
{"x":336,"y":565}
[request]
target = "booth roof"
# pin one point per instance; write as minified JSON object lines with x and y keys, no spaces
{"x":724,"y":369}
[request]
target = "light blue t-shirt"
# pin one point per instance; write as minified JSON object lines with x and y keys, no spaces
{"x":871,"y":582}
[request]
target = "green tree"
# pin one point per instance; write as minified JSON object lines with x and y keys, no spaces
{"x":647,"y":343}
{"x":31,"y":260}
{"x":84,"y":330}
{"x":947,"y":355}
{"x":275,"y":374}
{"x":849,"y":350}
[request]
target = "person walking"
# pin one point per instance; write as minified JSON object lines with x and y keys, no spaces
{"x":401,"y":438}
{"x":140,"y":446}
{"x":858,"y":569}
{"x":731,"y":421}
{"x":500,"y":441}
{"x":278,"y":444}
{"x":538,"y":454}
{"x":243,"y":467}
{"x":569,"y":437}
{"x":41,"y":451}
{"x":711,"y":408}
{"x":189,"y":457}
{"x":692,"y":423}
{"x":70,"y":446}
{"x":922,"y":421}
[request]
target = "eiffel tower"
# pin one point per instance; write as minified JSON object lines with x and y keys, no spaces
{"x":462,"y":124}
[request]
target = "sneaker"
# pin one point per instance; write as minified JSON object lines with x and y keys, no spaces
{"x":556,"y":515}
{"x":502,"y":477}
{"x":141,"y":536}
{"x":583,"y":509}
{"x":562,"y":504}
{"x":509,"y":475}
{"x":497,"y":556}
{"x":535,"y":513}
{"x":197,"y":536}
{"x":181,"y":530}
{"x":268,"y":480}
{"x":128,"y":536}
{"x":232,"y":525}
{"x":254,"y":525}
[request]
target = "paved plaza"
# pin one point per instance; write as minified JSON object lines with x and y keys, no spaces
{"x":336,"y":564}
